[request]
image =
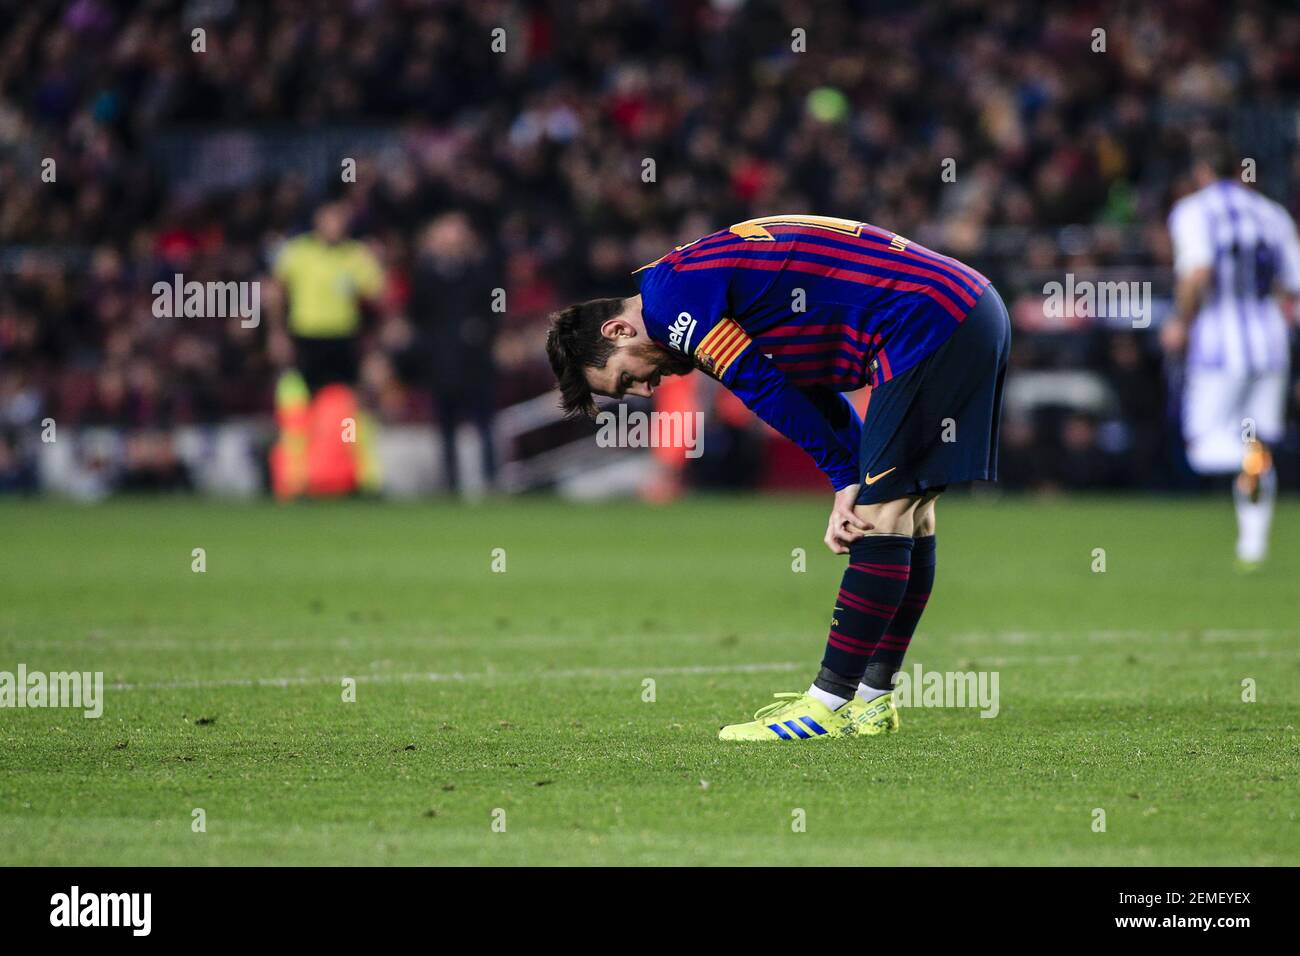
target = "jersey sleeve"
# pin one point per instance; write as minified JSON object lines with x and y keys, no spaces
{"x":757,"y":381}
{"x":686,"y":311}
{"x":285,"y":261}
{"x":681,"y":309}
{"x":1193,"y":245}
{"x":836,"y":408}
{"x":367,"y":273}
{"x":1289,"y":265}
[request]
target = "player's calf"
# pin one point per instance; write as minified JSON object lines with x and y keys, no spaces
{"x":871,"y":590}
{"x":1254,"y":491}
{"x":1256,"y":466}
{"x":873,"y":586}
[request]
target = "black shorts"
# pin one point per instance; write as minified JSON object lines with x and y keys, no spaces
{"x":936,"y":424}
{"x":324,"y":362}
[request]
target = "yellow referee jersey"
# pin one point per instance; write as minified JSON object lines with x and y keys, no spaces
{"x":325,"y":284}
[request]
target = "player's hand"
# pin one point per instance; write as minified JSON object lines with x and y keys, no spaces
{"x":844,"y":526}
{"x":1173,"y":336}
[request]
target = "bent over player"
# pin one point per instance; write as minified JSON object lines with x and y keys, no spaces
{"x":786,"y":312}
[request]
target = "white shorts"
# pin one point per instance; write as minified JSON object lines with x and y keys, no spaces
{"x":1222,"y":408}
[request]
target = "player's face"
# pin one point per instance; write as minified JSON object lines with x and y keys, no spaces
{"x":331,"y":224}
{"x":636,"y":369}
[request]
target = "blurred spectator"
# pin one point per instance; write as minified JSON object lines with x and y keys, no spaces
{"x":170,"y":161}
{"x":151,"y":464}
{"x":452,"y":303}
{"x":17,"y":473}
{"x":1138,"y":432}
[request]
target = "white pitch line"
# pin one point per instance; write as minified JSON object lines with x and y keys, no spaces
{"x":1020,"y":638}
{"x":434,"y":677}
{"x":227,"y":644}
{"x":592,"y":673}
{"x":1208,"y":636}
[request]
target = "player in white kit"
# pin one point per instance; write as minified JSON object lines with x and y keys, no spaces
{"x":1235,"y":253}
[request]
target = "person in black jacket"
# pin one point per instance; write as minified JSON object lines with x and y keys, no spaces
{"x":451,"y":303}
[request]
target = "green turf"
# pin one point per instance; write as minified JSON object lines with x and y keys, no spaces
{"x":522,"y":691}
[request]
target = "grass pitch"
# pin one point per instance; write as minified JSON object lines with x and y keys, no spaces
{"x":518,"y":696}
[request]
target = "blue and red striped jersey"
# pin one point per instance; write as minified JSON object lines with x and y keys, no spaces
{"x":784,"y":307}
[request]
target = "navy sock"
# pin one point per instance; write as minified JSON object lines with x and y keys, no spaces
{"x":887,"y":658}
{"x":873,"y":587}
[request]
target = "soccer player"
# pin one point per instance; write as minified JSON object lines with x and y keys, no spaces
{"x":786,"y":312}
{"x":1234,"y":250}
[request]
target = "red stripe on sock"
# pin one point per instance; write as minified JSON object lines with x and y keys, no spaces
{"x":852,"y":641}
{"x":874,"y":608}
{"x":897,"y":572}
{"x":893,"y":642}
{"x":848,"y":649}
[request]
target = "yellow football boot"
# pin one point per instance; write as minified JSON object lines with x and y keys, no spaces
{"x":791,"y":717}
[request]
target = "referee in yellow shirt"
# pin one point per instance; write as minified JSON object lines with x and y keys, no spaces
{"x":326,"y":275}
{"x":323,"y":447}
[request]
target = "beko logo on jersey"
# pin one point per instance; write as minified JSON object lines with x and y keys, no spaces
{"x":680,"y":332}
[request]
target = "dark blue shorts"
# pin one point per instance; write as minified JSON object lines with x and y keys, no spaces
{"x":936,"y":424}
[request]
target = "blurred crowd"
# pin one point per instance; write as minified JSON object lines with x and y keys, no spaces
{"x":524,"y":170}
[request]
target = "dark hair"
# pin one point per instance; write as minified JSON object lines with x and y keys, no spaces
{"x":1217,"y":153}
{"x":574,"y":344}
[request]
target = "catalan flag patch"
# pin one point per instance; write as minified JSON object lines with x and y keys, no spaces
{"x":721,"y":347}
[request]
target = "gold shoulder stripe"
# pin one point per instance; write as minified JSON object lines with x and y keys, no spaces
{"x":715,"y":335}
{"x":721,"y":346}
{"x":728,"y":352}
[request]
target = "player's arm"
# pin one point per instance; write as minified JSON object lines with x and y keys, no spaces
{"x":1193,"y":272}
{"x":284,"y":262}
{"x":757,"y":382}
{"x":1189,"y":293}
{"x":830,"y":433}
{"x":844,"y":526}
{"x":367,"y":272}
{"x":687,"y":311}
{"x":1288,"y":274}
{"x":836,"y":408}
{"x":821,"y":422}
